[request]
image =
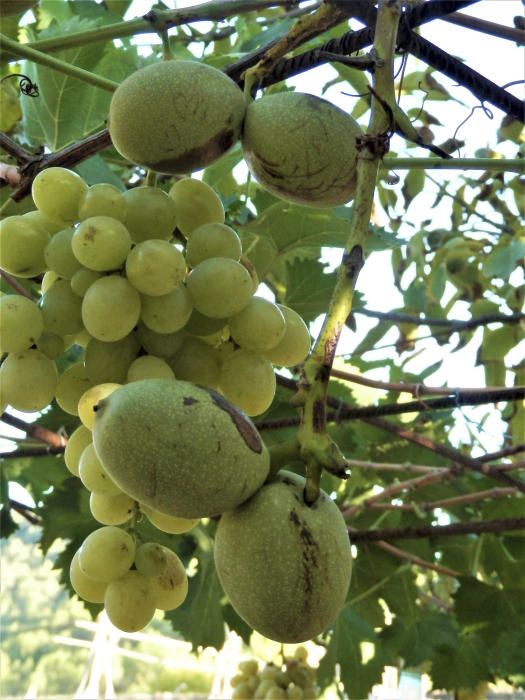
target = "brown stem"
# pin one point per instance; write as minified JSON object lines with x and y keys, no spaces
{"x":505,"y":452}
{"x":452,"y":324}
{"x":482,"y":25}
{"x":25,"y":512}
{"x":420,"y":469}
{"x":34,"y":452}
{"x":15,"y":284}
{"x":35,"y":430}
{"x":447,"y":502}
{"x":413,"y":559}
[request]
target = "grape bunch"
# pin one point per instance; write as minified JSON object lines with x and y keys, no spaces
{"x":293,"y":679}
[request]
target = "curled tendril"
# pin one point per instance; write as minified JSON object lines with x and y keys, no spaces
{"x":26,"y":85}
{"x":487,"y":112}
{"x":426,"y":92}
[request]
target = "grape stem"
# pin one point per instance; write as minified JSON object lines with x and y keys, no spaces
{"x":318,"y":450}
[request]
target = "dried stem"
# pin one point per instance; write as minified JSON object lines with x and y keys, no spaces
{"x":37,"y":431}
{"x":447,"y":502}
{"x":475,"y":527}
{"x":413,"y":559}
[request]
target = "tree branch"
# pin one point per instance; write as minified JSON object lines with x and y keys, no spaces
{"x":476,"y":527}
{"x":33,"y":452}
{"x":505,"y":452}
{"x":486,"y":27}
{"x":35,"y":430}
{"x":445,"y":503}
{"x":25,"y":512}
{"x":413,"y":559}
{"x":452,"y":324}
{"x":15,"y":284}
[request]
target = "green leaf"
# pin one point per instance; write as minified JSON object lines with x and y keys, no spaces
{"x":477,"y":603}
{"x":309,"y":288}
{"x":95,"y":170}
{"x":413,"y":185}
{"x":463,"y":667}
{"x":502,"y":261}
{"x":65,"y":513}
{"x":418,"y":642}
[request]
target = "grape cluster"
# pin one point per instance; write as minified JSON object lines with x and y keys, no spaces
{"x":293,"y":679}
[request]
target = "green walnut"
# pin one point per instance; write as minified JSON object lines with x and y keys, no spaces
{"x":284,"y":565}
{"x":302,"y":148}
{"x":179,"y":448}
{"x":176,"y":116}
{"x":15,"y":7}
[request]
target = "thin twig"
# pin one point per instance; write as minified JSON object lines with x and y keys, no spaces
{"x":505,"y":452}
{"x":413,"y":559}
{"x":34,"y":452}
{"x":452,"y":324}
{"x":482,"y":25}
{"x":35,"y":430}
{"x":15,"y":284}
{"x":25,"y":512}
{"x":447,"y":502}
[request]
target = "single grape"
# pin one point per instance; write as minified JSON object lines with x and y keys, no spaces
{"x":82,"y":338}
{"x":57,"y":193}
{"x":59,"y":256}
{"x":238,"y":679}
{"x":168,"y":523}
{"x":276,"y":693}
{"x":50,"y":226}
{"x":151,"y":559}
{"x":83,"y":279}
{"x":263,"y":687}
{"x":101,"y":243}
{"x":111,"y":508}
{"x":150,"y":214}
{"x":110,"y":308}
{"x":72,"y":383}
{"x":212,"y":241}
{"x":22,"y":246}
{"x":130,"y":601}
{"x":85,"y":588}
{"x":21,"y":323}
{"x":93,"y":475}
{"x":102,"y":199}
{"x":171,"y":587}
{"x":51,"y":344}
{"x":242,"y":692}
{"x":219,"y":287}
{"x":300,"y":677}
{"x":159,"y":344}
{"x":196,"y":362}
{"x":106,"y":554}
{"x":48,"y":280}
{"x":259,"y":326}
{"x":249,"y":667}
{"x":87,"y":403}
{"x":196,"y":203}
{"x":109,"y":362}
{"x":79,"y":439}
{"x":61,"y":308}
{"x":250,"y":268}
{"x":149,"y":367}
{"x":155,"y":267}
{"x":294,"y":692}
{"x":294,"y":347}
{"x":248,"y":381}
{"x":168,"y":313}
{"x":29,"y":380}
{"x":202,"y":326}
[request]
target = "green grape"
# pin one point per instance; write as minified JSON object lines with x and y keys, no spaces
{"x":196,"y":203}
{"x":275,"y":693}
{"x":72,"y":383}
{"x":150,"y":214}
{"x":168,"y":313}
{"x":58,"y":254}
{"x":212,"y":241}
{"x":85,"y":588}
{"x":171,"y":587}
{"x":93,"y":475}
{"x":110,"y":308}
{"x":248,"y":381}
{"x":269,"y":673}
{"x":130,"y":602}
{"x":109,"y":362}
{"x":250,"y":269}
{"x":259,"y":326}
{"x":155,"y":267}
{"x":264,"y":686}
{"x":57,"y":193}
{"x":106,"y":554}
{"x":196,"y":362}
{"x":61,"y":308}
{"x":219,"y":287}
{"x":29,"y":380}
{"x":249,"y":667}
{"x":22,"y":246}
{"x":111,"y":508}
{"x":238,"y":679}
{"x":82,"y":338}
{"x":294,"y":692}
{"x":79,"y":439}
{"x":224,"y":350}
{"x":310,"y":692}
{"x":283,"y":678}
{"x":149,"y":367}
{"x":48,"y":279}
{"x":151,"y":559}
{"x":21,"y":323}
{"x":168,"y":523}
{"x":202,"y":326}
{"x":300,"y":677}
{"x":51,"y":344}
{"x":50,"y":226}
{"x":87,"y":404}
{"x":101,"y":243}
{"x":83,"y":279}
{"x":294,"y":347}
{"x":242,"y":692}
{"x":301,"y":653}
{"x":159,"y":344}
{"x":102,"y":200}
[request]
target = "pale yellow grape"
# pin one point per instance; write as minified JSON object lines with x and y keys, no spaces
{"x":219,"y":287}
{"x":155,"y":267}
{"x":86,"y":588}
{"x":269,"y":673}
{"x":259,"y":326}
{"x":111,"y":508}
{"x":159,"y":344}
{"x":212,"y":241}
{"x":196,"y":203}
{"x":109,"y":362}
{"x":250,"y":268}
{"x":88,"y":401}
{"x":50,"y":226}
{"x":82,"y":338}
{"x":51,"y":344}
{"x":102,"y":199}
{"x":201,"y":325}
{"x":29,"y":380}
{"x":171,"y":587}
{"x":57,"y":193}
{"x":61,"y":308}
{"x":107,"y":554}
{"x":275,"y":694}
{"x":238,"y":679}
{"x":93,"y":475}
{"x":149,"y":367}
{"x":83,"y":279}
{"x":130,"y":601}
{"x":79,"y":439}
{"x":264,"y":687}
{"x":248,"y":381}
{"x":168,"y":313}
{"x":253,"y":682}
{"x":151,"y":559}
{"x":196,"y":362}
{"x":223,"y":350}
{"x":242,"y":692}
{"x":48,"y":279}
{"x":59,"y":256}
{"x":21,"y":323}
{"x":249,"y":667}
{"x":101,"y":243}
{"x":301,"y":654}
{"x":294,"y":692}
{"x":72,"y":384}
{"x":22,"y":246}
{"x":150,"y":214}
{"x":310,"y":692}
{"x":168,"y":523}
{"x":295,"y":345}
{"x":110,"y":308}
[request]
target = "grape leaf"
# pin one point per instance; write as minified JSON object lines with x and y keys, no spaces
{"x":464,"y":666}
{"x":418,"y":642}
{"x":309,"y":288}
